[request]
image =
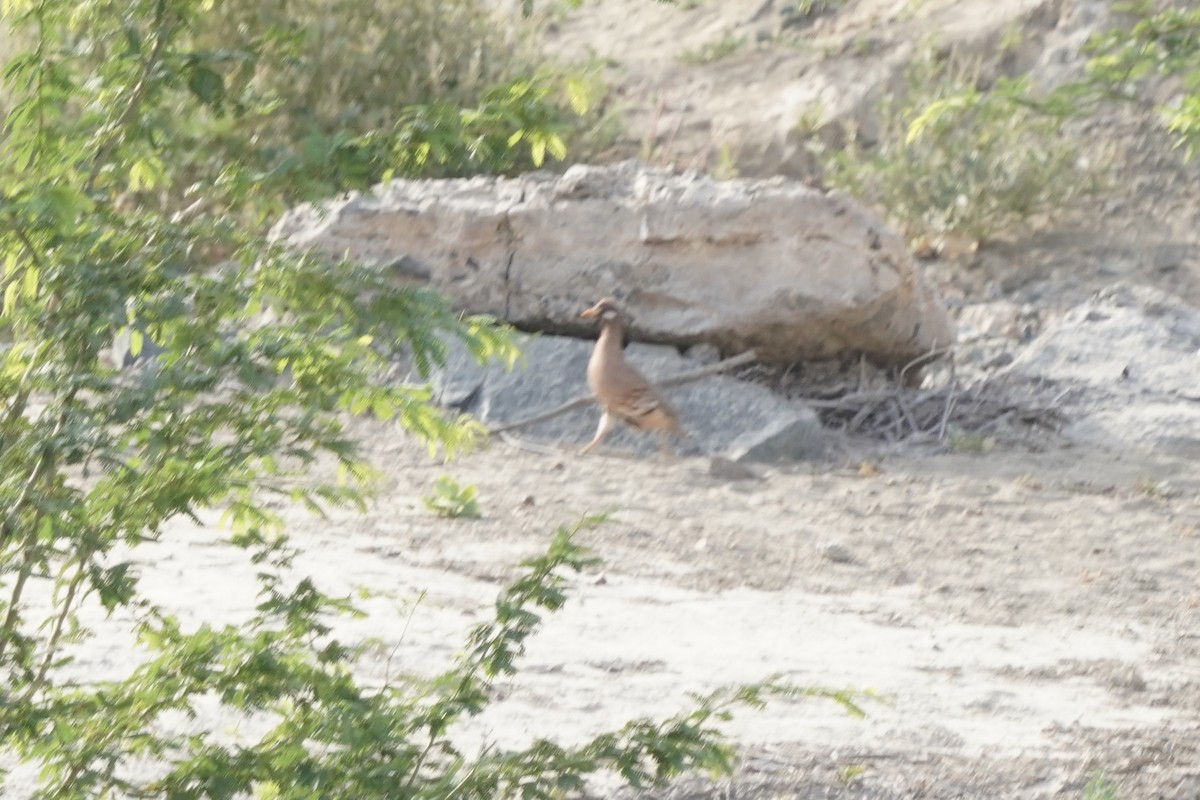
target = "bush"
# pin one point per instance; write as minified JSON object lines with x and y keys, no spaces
{"x":452,"y":499}
{"x":953,"y":158}
{"x":354,"y":89}
{"x":1165,"y":42}
{"x":317,"y":96}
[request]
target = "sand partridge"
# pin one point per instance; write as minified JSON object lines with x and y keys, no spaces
{"x":624,"y":394}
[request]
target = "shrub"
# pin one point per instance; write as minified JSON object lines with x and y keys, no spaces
{"x":953,"y":158}
{"x":1164,"y":42}
{"x":713,"y":51}
{"x":317,"y":96}
{"x":1100,"y":788}
{"x":451,"y":499}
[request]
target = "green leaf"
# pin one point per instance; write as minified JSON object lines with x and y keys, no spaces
{"x":936,"y":111}
{"x":206,"y":84}
{"x":17,"y":8}
{"x":145,"y":173}
{"x":383,"y":408}
{"x":30,"y":282}
{"x":10,"y":298}
{"x":579,"y":95}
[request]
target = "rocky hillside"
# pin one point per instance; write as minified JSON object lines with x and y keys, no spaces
{"x":744,"y":86}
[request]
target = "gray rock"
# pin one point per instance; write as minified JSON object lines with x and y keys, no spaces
{"x":793,"y":436}
{"x":121,"y":353}
{"x":726,"y":469}
{"x":703,"y":354}
{"x":837,"y":553}
{"x":1133,"y":355}
{"x":777,"y":266}
{"x":717,"y":411}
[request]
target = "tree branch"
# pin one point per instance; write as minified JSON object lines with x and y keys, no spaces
{"x":56,"y":634}
{"x":136,"y":98}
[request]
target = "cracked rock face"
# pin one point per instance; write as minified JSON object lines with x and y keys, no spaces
{"x":775,"y":265}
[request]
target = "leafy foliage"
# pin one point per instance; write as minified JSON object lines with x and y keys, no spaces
{"x":713,"y":51}
{"x":440,"y":137}
{"x":1101,"y":788}
{"x":1165,"y":42}
{"x":310,"y":97}
{"x":955,"y":158}
{"x":451,"y":499}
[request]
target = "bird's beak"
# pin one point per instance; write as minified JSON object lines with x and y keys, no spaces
{"x":590,"y":313}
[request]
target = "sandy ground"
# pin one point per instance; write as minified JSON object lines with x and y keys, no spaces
{"x":1032,"y":618}
{"x":1028,"y":619}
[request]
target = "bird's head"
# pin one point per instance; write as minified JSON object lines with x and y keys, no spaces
{"x":605,"y":310}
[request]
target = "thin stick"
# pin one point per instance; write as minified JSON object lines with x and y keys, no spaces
{"x":920,"y":361}
{"x":711,"y":369}
{"x":570,"y":405}
{"x":863,"y":414}
{"x":949,"y":402}
{"x":586,"y":400}
{"x":912,"y":423}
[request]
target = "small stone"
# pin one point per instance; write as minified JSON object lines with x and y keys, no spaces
{"x":786,"y":438}
{"x":1128,"y":678}
{"x":838,"y":553}
{"x":999,"y":360}
{"x":727,"y":470}
{"x":994,"y":319}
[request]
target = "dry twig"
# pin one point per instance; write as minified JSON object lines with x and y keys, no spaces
{"x":896,"y":413}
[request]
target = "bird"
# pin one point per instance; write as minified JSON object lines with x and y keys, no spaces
{"x":624,"y":393}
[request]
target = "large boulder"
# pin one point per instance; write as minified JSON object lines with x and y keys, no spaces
{"x":791,"y":271}
{"x":1128,"y":362}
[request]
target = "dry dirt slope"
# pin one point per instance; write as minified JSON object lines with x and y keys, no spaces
{"x":1030,"y":618}
{"x":1027,"y":619}
{"x":725,"y":86}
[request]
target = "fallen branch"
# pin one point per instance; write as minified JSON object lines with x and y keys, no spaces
{"x":950,"y":397}
{"x":666,"y":383}
{"x":898,"y":413}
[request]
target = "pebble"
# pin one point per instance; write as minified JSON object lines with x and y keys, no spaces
{"x":838,"y":553}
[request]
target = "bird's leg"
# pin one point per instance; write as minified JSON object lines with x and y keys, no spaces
{"x":664,"y":444}
{"x":607,"y":423}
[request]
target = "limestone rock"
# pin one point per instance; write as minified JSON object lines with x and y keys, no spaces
{"x":778,"y":266}
{"x":1133,"y":352}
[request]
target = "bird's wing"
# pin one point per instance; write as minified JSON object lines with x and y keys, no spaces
{"x":638,"y":402}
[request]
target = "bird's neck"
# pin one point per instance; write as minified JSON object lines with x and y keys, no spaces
{"x":612,"y":334}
